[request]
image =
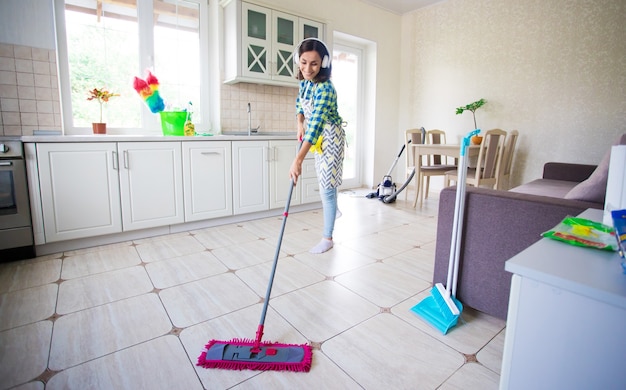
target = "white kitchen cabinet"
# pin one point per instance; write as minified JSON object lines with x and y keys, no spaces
{"x":151,"y":186}
{"x":79,"y":190}
{"x":282,"y":154}
{"x":260,"y":42}
{"x":309,"y":185}
{"x":250,"y":176}
{"x":207,"y":180}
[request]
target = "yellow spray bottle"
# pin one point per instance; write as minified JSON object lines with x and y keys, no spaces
{"x":190,"y":129}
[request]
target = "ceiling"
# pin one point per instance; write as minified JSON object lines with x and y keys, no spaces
{"x":401,"y":6}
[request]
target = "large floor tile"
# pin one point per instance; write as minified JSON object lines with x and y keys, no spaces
{"x":93,"y":333}
{"x":99,"y":289}
{"x":221,"y":236}
{"x":323,"y":310}
{"x":184,"y":269}
{"x":245,"y":255}
{"x":417,"y":262}
{"x":159,"y":364}
{"x":24,"y":353}
{"x":382,"y":284}
{"x":167,"y":247}
{"x":379,"y":245}
{"x":472,"y":376}
{"x":94,"y":262}
{"x":25,"y":274}
{"x":27,"y":306}
{"x":491,"y":355}
{"x":290,"y":275}
{"x":413,"y":359}
{"x":195,"y":302}
{"x":335,"y":262}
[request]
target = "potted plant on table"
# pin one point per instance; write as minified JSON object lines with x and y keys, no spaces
{"x":102,"y":96}
{"x":476,"y":140}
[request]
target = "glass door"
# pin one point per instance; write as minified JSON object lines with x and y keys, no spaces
{"x":346,"y":76}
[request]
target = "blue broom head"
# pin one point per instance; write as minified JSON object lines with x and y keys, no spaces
{"x":435,"y":311}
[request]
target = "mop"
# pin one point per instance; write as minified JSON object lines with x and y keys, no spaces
{"x":240,"y":354}
{"x":441,"y":309}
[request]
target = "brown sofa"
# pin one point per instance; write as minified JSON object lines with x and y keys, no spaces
{"x":500,"y":224}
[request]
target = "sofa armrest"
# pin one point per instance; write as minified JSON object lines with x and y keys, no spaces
{"x":567,"y":171}
{"x":497,"y":225}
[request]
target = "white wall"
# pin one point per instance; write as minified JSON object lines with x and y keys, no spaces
{"x":555,"y":70}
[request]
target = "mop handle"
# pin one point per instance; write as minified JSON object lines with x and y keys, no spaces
{"x":268,"y":292}
{"x":457,"y":224}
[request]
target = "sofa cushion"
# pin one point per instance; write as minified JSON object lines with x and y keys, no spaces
{"x":546,"y":187}
{"x":594,"y":188}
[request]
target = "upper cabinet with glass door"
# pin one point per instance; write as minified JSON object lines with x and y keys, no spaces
{"x":260,"y":42}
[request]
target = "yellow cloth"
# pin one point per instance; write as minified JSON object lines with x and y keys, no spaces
{"x":317,"y":148}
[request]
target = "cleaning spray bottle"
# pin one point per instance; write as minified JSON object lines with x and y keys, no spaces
{"x":190,"y":129}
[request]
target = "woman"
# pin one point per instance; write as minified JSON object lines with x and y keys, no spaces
{"x":319,"y":128}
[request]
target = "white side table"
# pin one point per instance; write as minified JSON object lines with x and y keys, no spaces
{"x":566,"y":325}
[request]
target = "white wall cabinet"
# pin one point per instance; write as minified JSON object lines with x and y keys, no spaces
{"x":207,"y":180}
{"x":151,"y":184}
{"x":259,"y":43}
{"x":79,"y":190}
{"x":250,"y":176}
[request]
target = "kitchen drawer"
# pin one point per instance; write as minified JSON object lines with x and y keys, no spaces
{"x":308,"y":168}
{"x":310,"y":190}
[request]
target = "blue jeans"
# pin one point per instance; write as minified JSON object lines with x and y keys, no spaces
{"x":329,"y":207}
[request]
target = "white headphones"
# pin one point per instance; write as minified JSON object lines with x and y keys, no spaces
{"x":325,"y":61}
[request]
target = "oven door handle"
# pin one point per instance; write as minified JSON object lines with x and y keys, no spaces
{"x":6,"y":163}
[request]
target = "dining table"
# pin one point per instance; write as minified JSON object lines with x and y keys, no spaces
{"x":447,"y":150}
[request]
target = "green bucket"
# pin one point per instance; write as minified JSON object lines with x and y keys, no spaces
{"x":173,"y":122}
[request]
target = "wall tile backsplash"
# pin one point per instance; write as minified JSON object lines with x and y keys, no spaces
{"x":29,"y":92}
{"x":273,"y":108}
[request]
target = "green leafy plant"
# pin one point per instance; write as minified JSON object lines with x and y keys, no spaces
{"x":472,"y":107}
{"x":102,"y":96}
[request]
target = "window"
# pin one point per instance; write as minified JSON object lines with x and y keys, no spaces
{"x":105,"y":44}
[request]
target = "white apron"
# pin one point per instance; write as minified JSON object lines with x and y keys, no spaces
{"x":329,"y":163}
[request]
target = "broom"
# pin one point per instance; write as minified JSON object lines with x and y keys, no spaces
{"x":442,"y":309}
{"x":240,"y":354}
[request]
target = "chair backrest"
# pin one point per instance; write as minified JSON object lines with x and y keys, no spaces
{"x":490,"y":158}
{"x":507,"y":157}
{"x":436,"y":137}
{"x":415,"y":136}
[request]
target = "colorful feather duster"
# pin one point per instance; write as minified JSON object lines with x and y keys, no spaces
{"x":148,"y":89}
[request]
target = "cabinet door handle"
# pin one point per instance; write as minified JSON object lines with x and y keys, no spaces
{"x":6,"y":163}
{"x":115,"y":161}
{"x":210,"y":153}
{"x":126,"y":163}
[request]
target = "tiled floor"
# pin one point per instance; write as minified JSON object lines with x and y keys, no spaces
{"x":136,"y":315}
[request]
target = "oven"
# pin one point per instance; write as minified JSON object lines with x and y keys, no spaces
{"x":16,"y":232}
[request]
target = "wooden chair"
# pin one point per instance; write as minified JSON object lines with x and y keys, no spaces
{"x":436,"y":165}
{"x":487,"y":171}
{"x":504,"y":181}
{"x":415,"y":136}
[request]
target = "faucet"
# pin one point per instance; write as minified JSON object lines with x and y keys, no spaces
{"x":250,"y":129}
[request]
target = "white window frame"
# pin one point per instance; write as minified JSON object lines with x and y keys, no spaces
{"x":150,"y":122}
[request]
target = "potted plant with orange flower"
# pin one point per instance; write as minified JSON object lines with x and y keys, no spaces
{"x":102,"y":96}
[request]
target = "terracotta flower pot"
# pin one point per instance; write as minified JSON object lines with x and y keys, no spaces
{"x":99,"y":128}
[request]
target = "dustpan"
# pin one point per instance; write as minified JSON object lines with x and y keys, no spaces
{"x":441,"y":309}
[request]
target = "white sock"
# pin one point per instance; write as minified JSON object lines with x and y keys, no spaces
{"x":338,"y":215}
{"x":323,"y":246}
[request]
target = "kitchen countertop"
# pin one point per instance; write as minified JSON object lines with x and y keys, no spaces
{"x":155,"y":138}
